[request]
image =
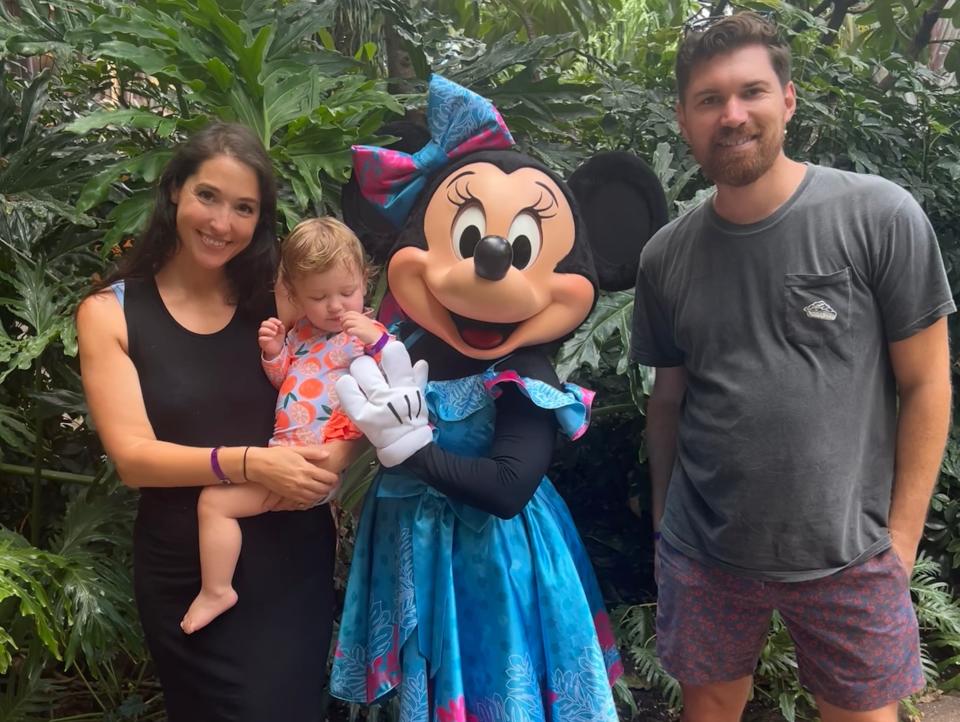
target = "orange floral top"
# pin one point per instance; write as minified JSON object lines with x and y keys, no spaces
{"x":308,"y":411}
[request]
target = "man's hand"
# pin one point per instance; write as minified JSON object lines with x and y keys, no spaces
{"x":906,"y":551}
{"x":271,"y":337}
{"x":389,"y":407}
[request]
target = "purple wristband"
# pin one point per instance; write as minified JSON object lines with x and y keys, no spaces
{"x":215,"y":465}
{"x":656,"y":536}
{"x":374,"y":348}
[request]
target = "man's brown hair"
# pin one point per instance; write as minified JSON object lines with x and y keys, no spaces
{"x":708,"y":38}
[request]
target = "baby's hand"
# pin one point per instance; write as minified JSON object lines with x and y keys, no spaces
{"x":271,"y":338}
{"x":363,"y":328}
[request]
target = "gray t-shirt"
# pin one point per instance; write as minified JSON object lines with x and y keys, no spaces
{"x":786,"y":442}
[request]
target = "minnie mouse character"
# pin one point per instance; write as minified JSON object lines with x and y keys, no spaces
{"x":470,"y":589}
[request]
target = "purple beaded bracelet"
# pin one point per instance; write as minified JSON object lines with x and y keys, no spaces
{"x":215,"y":465}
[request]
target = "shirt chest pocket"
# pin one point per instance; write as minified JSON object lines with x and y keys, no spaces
{"x":817,"y":306}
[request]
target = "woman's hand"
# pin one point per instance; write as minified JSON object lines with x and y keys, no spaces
{"x":293,"y":473}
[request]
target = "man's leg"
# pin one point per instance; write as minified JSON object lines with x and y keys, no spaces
{"x":858,"y":645}
{"x":718,"y":702}
{"x":710,"y":629}
{"x":831,"y":713}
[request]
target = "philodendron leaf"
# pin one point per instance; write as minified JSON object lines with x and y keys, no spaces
{"x":15,"y":435}
{"x":611,"y":316}
{"x":150,"y":61}
{"x":24,"y":572}
{"x":7,"y":644}
{"x":127,"y":118}
{"x":252,"y":59}
{"x":128,"y":218}
{"x":147,"y":167}
{"x":220,"y":73}
{"x":20,"y":354}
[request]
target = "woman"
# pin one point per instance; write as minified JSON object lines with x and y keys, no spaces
{"x":171,"y":370}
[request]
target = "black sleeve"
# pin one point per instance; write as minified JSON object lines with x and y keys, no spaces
{"x":502,"y":483}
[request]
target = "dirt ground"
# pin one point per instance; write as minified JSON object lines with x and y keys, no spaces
{"x":940,"y":709}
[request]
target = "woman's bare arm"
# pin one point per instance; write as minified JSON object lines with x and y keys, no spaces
{"x":116,"y":404}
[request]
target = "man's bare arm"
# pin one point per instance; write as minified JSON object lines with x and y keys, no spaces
{"x":663,"y":420}
{"x":921,"y":365}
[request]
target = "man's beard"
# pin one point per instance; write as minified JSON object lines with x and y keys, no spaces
{"x":738,"y":168}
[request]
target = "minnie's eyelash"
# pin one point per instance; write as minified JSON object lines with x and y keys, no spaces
{"x":540,"y":212}
{"x":460,"y":197}
{"x":463,"y":196}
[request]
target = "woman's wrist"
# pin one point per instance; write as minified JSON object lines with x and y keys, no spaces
{"x":217,"y":468}
{"x":231,"y":460}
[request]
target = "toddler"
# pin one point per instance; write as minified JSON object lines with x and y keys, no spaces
{"x":323,"y":269}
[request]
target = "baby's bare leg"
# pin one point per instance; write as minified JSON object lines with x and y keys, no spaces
{"x":220,"y":540}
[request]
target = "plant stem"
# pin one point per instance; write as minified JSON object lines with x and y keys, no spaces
{"x":93,"y":692}
{"x":48,"y":474}
{"x":35,"y":522}
{"x":612,"y":409}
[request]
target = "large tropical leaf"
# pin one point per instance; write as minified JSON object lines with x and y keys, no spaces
{"x":256,"y":63}
{"x":26,"y":693}
{"x":15,"y":435}
{"x":26,"y":574}
{"x":95,"y":601}
{"x":610,"y":319}
{"x":39,"y":304}
{"x":42,"y":167}
{"x":31,"y":27}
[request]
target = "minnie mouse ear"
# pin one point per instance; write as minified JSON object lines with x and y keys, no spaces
{"x":375,"y":232}
{"x":622,"y":205}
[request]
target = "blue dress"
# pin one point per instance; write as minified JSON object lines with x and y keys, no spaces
{"x":469,"y":617}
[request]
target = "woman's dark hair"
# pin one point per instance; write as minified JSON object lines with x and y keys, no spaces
{"x":251,"y":272}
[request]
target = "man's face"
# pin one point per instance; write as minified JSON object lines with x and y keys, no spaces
{"x":734,"y":113}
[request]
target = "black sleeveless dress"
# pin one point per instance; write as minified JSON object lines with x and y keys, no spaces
{"x":265,"y":659}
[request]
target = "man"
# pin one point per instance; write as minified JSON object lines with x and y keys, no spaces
{"x":797,"y":323}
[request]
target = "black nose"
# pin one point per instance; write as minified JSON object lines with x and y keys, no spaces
{"x":492,"y":257}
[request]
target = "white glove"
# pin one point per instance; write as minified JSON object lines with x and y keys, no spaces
{"x":389,"y":407}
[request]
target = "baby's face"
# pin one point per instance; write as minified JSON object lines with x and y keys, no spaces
{"x":325,"y":297}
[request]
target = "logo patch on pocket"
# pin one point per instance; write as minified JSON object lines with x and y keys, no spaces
{"x":820,"y":310}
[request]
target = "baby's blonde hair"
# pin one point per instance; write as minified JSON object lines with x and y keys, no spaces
{"x":318,"y":244}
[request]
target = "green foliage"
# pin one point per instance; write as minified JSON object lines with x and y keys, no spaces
{"x":71,"y":603}
{"x":636,"y":630}
{"x":185,"y":63}
{"x":942,"y":529}
{"x":169,"y":67}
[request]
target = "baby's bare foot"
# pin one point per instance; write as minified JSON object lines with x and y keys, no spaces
{"x":206,"y":607}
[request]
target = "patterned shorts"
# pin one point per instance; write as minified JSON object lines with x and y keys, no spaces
{"x":858,"y":645}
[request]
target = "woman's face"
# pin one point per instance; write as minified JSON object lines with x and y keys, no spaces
{"x":217,"y":211}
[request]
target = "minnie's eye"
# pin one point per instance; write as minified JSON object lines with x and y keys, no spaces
{"x":524,"y":236}
{"x":468,"y":229}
